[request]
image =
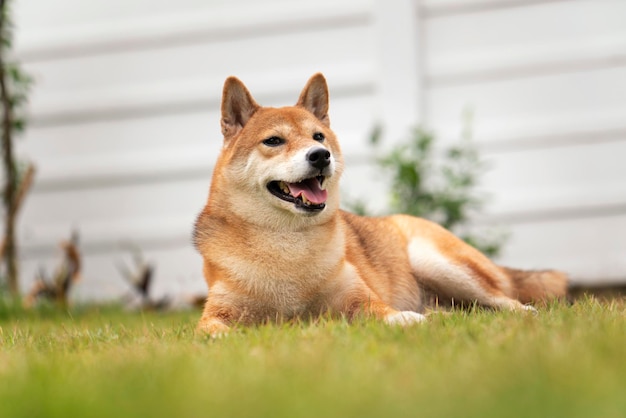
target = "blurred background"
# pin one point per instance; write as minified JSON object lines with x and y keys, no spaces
{"x":124,"y":117}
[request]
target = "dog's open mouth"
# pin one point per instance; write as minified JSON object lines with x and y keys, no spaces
{"x":306,"y":194}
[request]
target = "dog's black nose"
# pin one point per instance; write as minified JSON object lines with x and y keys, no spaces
{"x":319,"y":157}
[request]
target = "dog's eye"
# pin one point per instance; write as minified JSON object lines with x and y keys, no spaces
{"x":273,"y":141}
{"x":319,"y":137}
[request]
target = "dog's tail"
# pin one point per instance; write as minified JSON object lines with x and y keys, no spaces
{"x":537,"y":285}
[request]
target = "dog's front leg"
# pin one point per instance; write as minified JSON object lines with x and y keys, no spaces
{"x":393,"y":317}
{"x":362,"y":301}
{"x":216,"y":320}
{"x":350,"y":295}
{"x":221,"y":311}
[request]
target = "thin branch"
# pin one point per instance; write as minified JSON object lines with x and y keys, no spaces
{"x":10,"y":255}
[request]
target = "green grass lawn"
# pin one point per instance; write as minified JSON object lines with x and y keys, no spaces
{"x":569,"y":361}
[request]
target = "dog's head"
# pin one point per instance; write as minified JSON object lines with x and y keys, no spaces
{"x":278,"y":161}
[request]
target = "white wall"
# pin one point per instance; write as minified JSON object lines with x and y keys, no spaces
{"x":124,"y":126}
{"x":546,"y":81}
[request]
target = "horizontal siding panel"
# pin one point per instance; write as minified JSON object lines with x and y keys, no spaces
{"x":113,"y":214}
{"x":121,"y":32}
{"x":438,"y":8}
{"x":545,"y":106}
{"x":535,"y":181}
{"x":146,"y":69}
{"x":44,"y":15}
{"x":518,"y":187}
{"x":185,"y":79}
{"x":170,"y":145}
{"x":592,"y":250}
{"x":565,"y":36}
{"x":364,"y":182}
{"x":123,"y":148}
{"x":178,"y":273}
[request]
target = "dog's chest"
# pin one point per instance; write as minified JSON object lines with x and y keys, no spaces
{"x":285,"y":274}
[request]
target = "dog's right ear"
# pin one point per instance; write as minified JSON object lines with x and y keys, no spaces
{"x":238,"y":106}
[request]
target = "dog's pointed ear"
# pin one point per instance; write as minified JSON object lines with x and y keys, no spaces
{"x":238,"y":106}
{"x":314,"y":98}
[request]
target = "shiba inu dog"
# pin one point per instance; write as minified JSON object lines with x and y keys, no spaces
{"x":277,"y":246}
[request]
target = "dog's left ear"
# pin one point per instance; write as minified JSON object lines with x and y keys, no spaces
{"x":314,"y":98}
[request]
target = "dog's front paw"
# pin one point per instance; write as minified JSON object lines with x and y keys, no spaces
{"x":517,"y":306}
{"x":213,"y":328}
{"x":404,"y":318}
{"x":530,"y":309}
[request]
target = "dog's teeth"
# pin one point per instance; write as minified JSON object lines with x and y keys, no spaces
{"x":305,"y":200}
{"x":284,"y":187}
{"x":322,"y":181}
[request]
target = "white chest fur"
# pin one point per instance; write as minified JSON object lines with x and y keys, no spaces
{"x":283,"y":270}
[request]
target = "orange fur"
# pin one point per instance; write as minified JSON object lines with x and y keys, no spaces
{"x":269,"y":257}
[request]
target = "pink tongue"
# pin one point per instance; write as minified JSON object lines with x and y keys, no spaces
{"x":310,"y":189}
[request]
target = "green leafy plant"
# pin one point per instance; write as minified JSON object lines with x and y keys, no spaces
{"x":439,"y":186}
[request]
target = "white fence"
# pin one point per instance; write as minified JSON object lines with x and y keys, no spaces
{"x":125,"y":122}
